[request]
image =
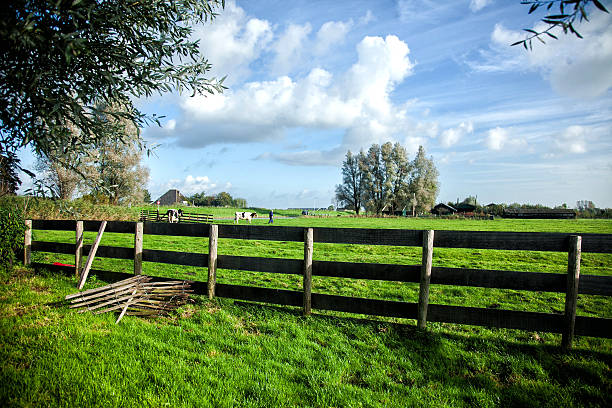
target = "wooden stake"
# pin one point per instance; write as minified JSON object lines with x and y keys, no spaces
{"x":78,"y":252}
{"x":571,"y":296}
{"x":213,"y":238}
{"x":92,"y":255}
{"x":127,"y":304}
{"x":138,"y":248}
{"x":428,"y":238}
{"x":27,"y":243}
{"x":308,"y":250}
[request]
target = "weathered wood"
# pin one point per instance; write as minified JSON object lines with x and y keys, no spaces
{"x":138,"y":249}
{"x":388,"y":272}
{"x":428,"y":240}
{"x":103,"y":288}
{"x":526,"y":241}
{"x":185,"y":230}
{"x":509,"y":319}
{"x":307,"y":287}
{"x":254,"y":294}
{"x":571,"y":296}
{"x":127,"y":304}
{"x":27,"y":243}
{"x":78,"y":247}
{"x":260,"y":232}
{"x":123,"y":227}
{"x":374,"y":307}
{"x":364,"y":236}
{"x":258,"y":264}
{"x":213,"y":238}
{"x":92,"y":255}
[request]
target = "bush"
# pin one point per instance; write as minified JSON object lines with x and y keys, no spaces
{"x":12,"y":229}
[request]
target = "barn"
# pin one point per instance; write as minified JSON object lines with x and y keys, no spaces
{"x":171,"y":197}
{"x":443,"y":209}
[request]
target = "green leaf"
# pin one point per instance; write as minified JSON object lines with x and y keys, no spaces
{"x":600,"y":6}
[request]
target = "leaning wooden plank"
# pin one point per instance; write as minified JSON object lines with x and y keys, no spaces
{"x":125,"y":307}
{"x":103,"y":297}
{"x":101,"y":288}
{"x":92,"y":255}
{"x":115,"y":290}
{"x":99,"y":305}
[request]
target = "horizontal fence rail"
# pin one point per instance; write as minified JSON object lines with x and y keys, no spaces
{"x":422,"y":311}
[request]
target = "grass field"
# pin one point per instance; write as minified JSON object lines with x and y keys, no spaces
{"x":217,"y":353}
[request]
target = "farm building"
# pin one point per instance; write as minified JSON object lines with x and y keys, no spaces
{"x":387,"y":211}
{"x":465,"y":208}
{"x":443,"y":209}
{"x":534,"y":213}
{"x":171,"y":197}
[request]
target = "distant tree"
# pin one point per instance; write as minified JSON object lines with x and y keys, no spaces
{"x":565,"y":18}
{"x":424,"y":185}
{"x":377,"y":185}
{"x":60,"y":58}
{"x":146,"y":196}
{"x":224,"y":199}
{"x":198,"y":199}
{"x":350,"y":192}
{"x":400,"y":179}
{"x":240,"y":203}
{"x":113,"y":170}
{"x":55,"y":174}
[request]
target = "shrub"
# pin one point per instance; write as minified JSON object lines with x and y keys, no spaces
{"x":12,"y":229}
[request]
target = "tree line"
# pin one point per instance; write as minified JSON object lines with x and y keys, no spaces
{"x":384,"y":179}
{"x":223,"y":199}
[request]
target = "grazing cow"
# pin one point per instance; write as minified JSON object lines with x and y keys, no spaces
{"x":244,"y":216}
{"x":173,"y":215}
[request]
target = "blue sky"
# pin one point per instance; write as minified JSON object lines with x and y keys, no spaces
{"x":309,"y":80}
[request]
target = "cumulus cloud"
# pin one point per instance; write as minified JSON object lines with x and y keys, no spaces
{"x":452,"y":136}
{"x":234,"y":41}
{"x":331,"y":34}
{"x":575,"y":67}
{"x":357,"y":100}
{"x":289,"y":47}
{"x":477,"y":5}
{"x":500,"y":139}
{"x":195,"y":184}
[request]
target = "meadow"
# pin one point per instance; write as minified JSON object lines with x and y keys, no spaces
{"x":225,"y":353}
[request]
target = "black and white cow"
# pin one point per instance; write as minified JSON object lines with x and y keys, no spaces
{"x":174,"y":216}
{"x":244,"y":216}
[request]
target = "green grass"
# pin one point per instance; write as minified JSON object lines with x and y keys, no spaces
{"x":216,"y":353}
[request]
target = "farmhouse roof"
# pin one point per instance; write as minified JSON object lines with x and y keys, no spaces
{"x":171,"y":197}
{"x":445,"y":206}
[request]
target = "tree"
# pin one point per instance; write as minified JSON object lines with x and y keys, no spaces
{"x":224,"y":199}
{"x":424,"y":185}
{"x":400,"y":189}
{"x":350,"y":192}
{"x":569,"y":12}
{"x":146,"y":197}
{"x":113,"y":170}
{"x":9,"y":167}
{"x":56,"y":176}
{"x":61,"y":58}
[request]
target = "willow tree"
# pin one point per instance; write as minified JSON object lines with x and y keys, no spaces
{"x":63,"y":59}
{"x":424,"y":185}
{"x":350,"y":192}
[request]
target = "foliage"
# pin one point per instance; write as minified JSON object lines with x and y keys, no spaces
{"x":12,"y":228}
{"x":376,"y":177}
{"x":9,"y":168}
{"x":62,"y":58}
{"x":146,"y":197}
{"x":56,"y":175}
{"x":223,"y":199}
{"x":113,"y":170}
{"x":350,"y":192}
{"x":424,"y":183}
{"x":569,"y":12}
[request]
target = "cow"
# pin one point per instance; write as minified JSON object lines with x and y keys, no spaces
{"x":244,"y":216}
{"x":173,"y":215}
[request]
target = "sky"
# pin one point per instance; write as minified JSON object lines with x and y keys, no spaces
{"x":310,"y":80}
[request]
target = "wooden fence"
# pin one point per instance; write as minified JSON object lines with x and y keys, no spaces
{"x":187,"y":217}
{"x":425,"y":274}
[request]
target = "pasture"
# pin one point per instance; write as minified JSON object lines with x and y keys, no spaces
{"x":217,"y":353}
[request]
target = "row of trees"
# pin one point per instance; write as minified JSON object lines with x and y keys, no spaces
{"x":384,"y":178}
{"x":223,"y":199}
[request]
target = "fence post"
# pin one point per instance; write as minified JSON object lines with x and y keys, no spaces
{"x":308,"y":250}
{"x":78,"y":250}
{"x":571,"y":296}
{"x":27,"y":243}
{"x":428,"y":238}
{"x":213,"y":238}
{"x":138,"y":236}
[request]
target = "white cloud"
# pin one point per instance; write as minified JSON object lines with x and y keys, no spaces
{"x":575,"y":67}
{"x":289,"y":47}
{"x":233,"y":41}
{"x":331,"y":34}
{"x":500,"y":139}
{"x":476,"y":5}
{"x":195,"y":184}
{"x":367,"y":18}
{"x":357,"y":100}
{"x":572,"y":140}
{"x":452,"y":136}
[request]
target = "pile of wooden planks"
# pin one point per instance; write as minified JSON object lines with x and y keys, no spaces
{"x":136,"y":296}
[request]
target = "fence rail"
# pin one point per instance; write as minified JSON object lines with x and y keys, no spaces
{"x":187,"y":217}
{"x":425,"y":274}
